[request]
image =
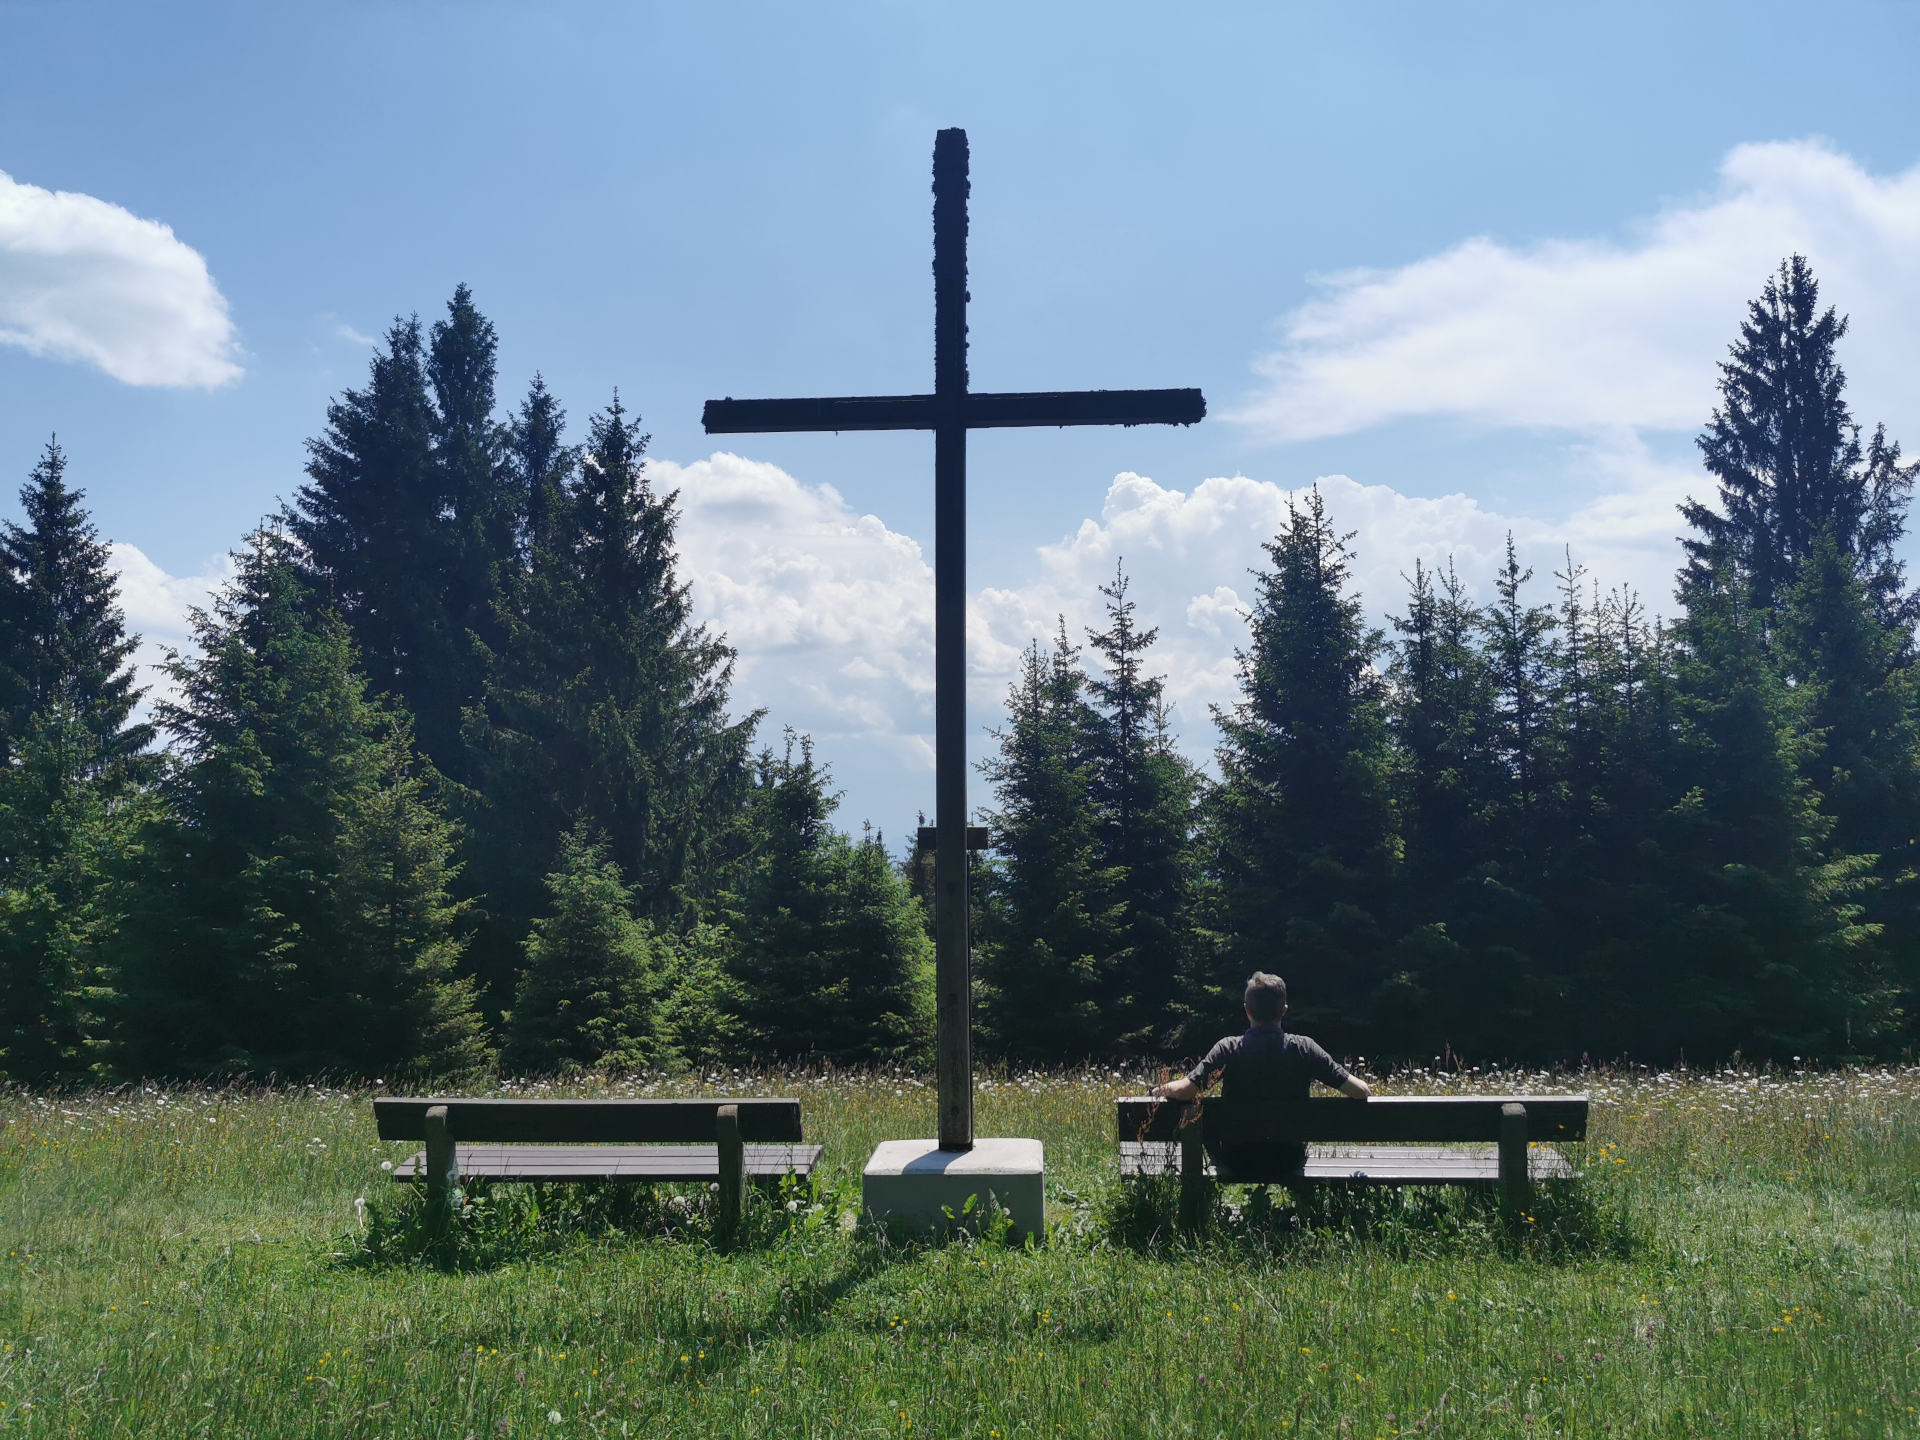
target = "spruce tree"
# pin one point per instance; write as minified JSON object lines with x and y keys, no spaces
{"x":1611,"y":891}
{"x":1443,"y":710}
{"x":587,"y":995}
{"x":408,"y":523}
{"x":1861,"y":704}
{"x":1765,"y":948}
{"x":1521,"y":653}
{"x":1145,"y":796}
{"x":403,"y":930}
{"x":369,"y":520}
{"x":831,"y":960}
{"x":604,"y":703}
{"x":71,"y":777}
{"x":1304,"y":828}
{"x":1448,"y":779}
{"x":65,"y":636}
{"x":541,"y":464}
{"x":1810,"y":522}
{"x":1786,"y":454}
{"x":1046,"y":957}
{"x":883,"y":986}
{"x":291,"y":915}
{"x":481,"y":514}
{"x":66,"y":835}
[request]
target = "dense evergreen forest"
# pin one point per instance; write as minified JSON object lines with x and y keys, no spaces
{"x":449,"y":781}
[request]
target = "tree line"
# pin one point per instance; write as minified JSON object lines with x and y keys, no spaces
{"x":448,"y":780}
{"x":1537,"y":828}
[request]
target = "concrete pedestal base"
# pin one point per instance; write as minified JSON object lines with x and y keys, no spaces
{"x":912,"y":1183}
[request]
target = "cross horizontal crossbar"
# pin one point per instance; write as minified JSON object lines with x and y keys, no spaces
{"x":979,"y":411}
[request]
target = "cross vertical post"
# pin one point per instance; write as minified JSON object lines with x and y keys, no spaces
{"x":953,"y":960}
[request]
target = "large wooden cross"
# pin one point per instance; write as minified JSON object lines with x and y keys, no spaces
{"x":950,"y":411}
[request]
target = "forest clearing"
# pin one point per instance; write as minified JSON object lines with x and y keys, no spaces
{"x":1736,"y":1259}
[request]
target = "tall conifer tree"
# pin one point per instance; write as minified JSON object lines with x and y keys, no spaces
{"x":1787,"y":455}
{"x":541,"y":464}
{"x":1306,"y":840}
{"x":1144,"y":795}
{"x":1448,"y":777}
{"x":71,"y":771}
{"x":292,"y":916}
{"x":1048,"y":928}
{"x":409,"y":519}
{"x":587,"y":997}
{"x":1766,"y":948}
{"x":66,"y":835}
{"x":605,"y":703}
{"x":481,"y":515}
{"x":831,"y":960}
{"x":67,"y":637}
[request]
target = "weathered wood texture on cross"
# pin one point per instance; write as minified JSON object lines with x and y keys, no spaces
{"x":950,"y":411}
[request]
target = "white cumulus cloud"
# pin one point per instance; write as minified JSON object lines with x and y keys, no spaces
{"x":1190,"y":558}
{"x":156,"y":605}
{"x":83,"y":279}
{"x":1589,"y":334}
{"x":831,"y":610}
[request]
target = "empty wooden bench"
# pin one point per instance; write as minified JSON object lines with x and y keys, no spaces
{"x":1388,"y":1140}
{"x":729,"y":1141}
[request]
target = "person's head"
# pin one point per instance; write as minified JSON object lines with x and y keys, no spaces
{"x":1266,"y":998}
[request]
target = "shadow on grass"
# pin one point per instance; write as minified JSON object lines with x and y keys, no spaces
{"x":803,"y":1308}
{"x":1566,"y":1222}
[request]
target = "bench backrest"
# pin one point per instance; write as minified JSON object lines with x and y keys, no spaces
{"x":1386,"y":1118}
{"x":586,"y":1122}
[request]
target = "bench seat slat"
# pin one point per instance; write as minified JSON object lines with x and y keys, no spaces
{"x":615,"y":1162}
{"x":1364,"y":1164}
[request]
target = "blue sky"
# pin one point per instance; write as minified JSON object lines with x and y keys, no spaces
{"x":1468,"y":266}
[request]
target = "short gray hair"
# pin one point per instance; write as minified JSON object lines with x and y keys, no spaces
{"x":1266,"y":997}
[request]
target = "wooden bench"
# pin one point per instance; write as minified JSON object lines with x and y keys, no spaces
{"x":730,"y":1141}
{"x":1388,"y":1140}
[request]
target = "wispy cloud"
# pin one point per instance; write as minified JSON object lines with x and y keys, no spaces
{"x":344,"y":331}
{"x":1590,"y":334}
{"x":82,"y":279}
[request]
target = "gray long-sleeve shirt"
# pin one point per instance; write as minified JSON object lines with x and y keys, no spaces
{"x":1267,"y":1063}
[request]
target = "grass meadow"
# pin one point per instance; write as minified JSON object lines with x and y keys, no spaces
{"x":1739,"y":1259}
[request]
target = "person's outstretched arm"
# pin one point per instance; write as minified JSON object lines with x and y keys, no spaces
{"x":1182,"y":1090}
{"x":1355,"y":1088}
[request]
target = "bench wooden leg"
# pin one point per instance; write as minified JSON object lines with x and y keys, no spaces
{"x":1193,"y":1181}
{"x":1516,"y":1190}
{"x":733,"y":1170}
{"x":443,"y":1171}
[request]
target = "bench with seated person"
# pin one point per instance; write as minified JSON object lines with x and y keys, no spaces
{"x":729,"y":1141}
{"x":1259,"y":1129}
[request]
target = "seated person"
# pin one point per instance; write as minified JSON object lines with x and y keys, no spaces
{"x":1264,"y":1064}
